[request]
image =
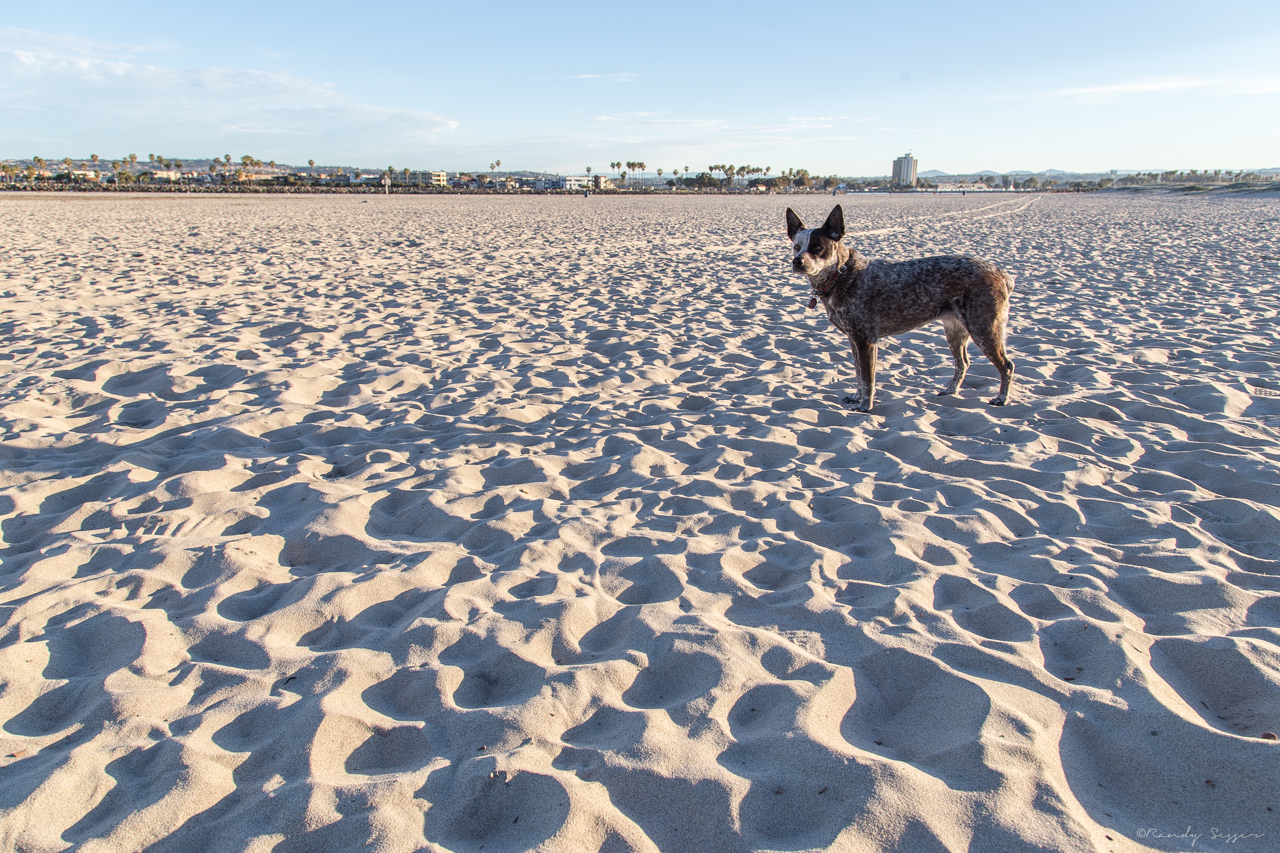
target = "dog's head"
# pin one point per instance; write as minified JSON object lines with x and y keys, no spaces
{"x":814,"y":249}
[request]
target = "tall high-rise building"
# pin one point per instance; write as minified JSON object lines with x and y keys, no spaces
{"x":904,"y":170}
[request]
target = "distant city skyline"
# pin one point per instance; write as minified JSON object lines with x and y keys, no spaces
{"x":993,"y":86}
{"x":903,"y":171}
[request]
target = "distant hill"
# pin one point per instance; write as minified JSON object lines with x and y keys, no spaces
{"x":987,"y":173}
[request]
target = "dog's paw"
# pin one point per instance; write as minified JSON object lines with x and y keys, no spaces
{"x":997,"y":401}
{"x":852,"y":400}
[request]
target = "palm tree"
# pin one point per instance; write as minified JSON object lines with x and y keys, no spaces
{"x":659,"y":176}
{"x":311,"y":164}
{"x":588,"y":171}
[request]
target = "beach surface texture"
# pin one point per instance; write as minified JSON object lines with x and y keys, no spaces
{"x":509,"y":523}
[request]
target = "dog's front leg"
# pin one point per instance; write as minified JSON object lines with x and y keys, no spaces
{"x":855,"y":399}
{"x":867,"y":374}
{"x":864,"y":356}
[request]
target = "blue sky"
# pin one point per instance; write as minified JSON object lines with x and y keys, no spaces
{"x":838,"y":88}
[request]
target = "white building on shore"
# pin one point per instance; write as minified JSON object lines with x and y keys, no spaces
{"x":904,"y":170}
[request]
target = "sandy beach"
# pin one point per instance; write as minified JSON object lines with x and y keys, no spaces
{"x":508,"y":523}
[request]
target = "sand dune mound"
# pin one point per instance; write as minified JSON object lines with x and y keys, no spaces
{"x":459,"y":523}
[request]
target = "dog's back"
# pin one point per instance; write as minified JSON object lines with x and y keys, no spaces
{"x":886,"y":298}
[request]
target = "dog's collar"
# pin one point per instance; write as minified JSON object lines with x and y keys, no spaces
{"x":821,"y":293}
{"x":835,"y":279}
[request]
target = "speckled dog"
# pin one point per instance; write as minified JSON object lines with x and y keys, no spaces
{"x":869,"y":300}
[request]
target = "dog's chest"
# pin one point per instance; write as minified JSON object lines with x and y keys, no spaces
{"x":845,"y":309}
{"x":834,"y":316}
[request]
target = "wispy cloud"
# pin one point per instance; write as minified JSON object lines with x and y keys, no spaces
{"x":1151,"y":86}
{"x":644,"y":125}
{"x":70,"y":46}
{"x":74,"y":91}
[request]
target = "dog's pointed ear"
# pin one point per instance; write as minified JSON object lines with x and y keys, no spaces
{"x":794,"y":225}
{"x":835,"y":224}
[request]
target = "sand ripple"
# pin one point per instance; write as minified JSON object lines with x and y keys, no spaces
{"x":459,"y":523}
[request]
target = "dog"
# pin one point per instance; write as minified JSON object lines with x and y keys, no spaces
{"x":870,"y":300}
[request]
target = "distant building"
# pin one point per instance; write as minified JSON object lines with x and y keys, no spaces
{"x":904,"y":170}
{"x":437,"y":179}
{"x":601,"y":182}
{"x":571,"y":182}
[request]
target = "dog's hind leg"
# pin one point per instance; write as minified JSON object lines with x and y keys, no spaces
{"x":958,"y":340}
{"x":991,"y":342}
